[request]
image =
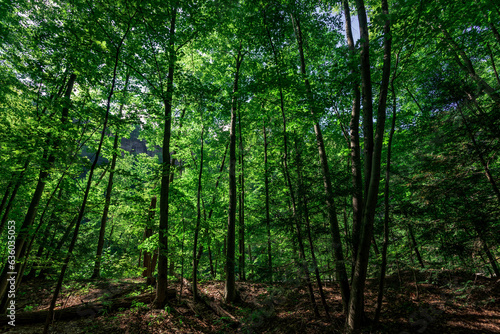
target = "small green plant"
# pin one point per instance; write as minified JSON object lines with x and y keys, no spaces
{"x":136,"y":306}
{"x":133,"y":294}
{"x":28,"y":308}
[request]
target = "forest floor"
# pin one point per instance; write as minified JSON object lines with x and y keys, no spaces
{"x":440,"y":302}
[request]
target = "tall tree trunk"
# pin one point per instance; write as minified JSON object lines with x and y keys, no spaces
{"x":385,"y":244}
{"x":268,"y":218}
{"x":302,"y":191}
{"x":297,"y":219}
{"x":194,"y":287}
{"x":107,"y":201}
{"x":161,"y":286}
{"x":230,"y":287}
{"x":356,"y":168}
{"x":241,"y":215}
{"x":104,"y":218}
{"x":374,"y":158}
{"x":329,"y":199}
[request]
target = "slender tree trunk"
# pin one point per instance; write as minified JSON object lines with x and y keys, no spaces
{"x":415,"y":246}
{"x":198,"y":223}
{"x":297,"y":219}
{"x":490,"y":53}
{"x":45,"y":236}
{"x":32,"y":240}
{"x":302,"y":191}
{"x":12,"y":196}
{"x":161,"y":286}
{"x":149,"y":261}
{"x":210,"y":260}
{"x":230,"y":287}
{"x":385,"y":244}
{"x":329,"y":199}
{"x":241,"y":215}
{"x":104,"y":218}
{"x":268,"y":218}
{"x":5,"y":196}
{"x":107,"y":202}
{"x":491,"y":258}
{"x":356,"y":169}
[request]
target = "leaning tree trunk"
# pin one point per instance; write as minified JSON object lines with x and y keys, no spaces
{"x":12,"y":196}
{"x":23,"y":235}
{"x":327,"y":182}
{"x":87,"y":191}
{"x":107,"y":201}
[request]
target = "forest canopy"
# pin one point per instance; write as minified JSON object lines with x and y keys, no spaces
{"x":262,"y":141}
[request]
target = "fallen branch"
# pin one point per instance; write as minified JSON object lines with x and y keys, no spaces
{"x":217,"y":309}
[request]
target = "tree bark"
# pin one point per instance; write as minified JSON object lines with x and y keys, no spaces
{"x":161,"y":286}
{"x":356,"y":167}
{"x":230,"y":286}
{"x":268,"y":218}
{"x":198,"y":223}
{"x":241,"y":214}
{"x":373,"y":159}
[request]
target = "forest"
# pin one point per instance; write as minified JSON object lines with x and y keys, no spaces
{"x":250,"y":166}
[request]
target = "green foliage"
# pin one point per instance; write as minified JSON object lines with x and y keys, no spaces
{"x":446,"y":138}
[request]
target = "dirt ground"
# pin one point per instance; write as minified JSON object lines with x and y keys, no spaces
{"x":415,"y":302}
